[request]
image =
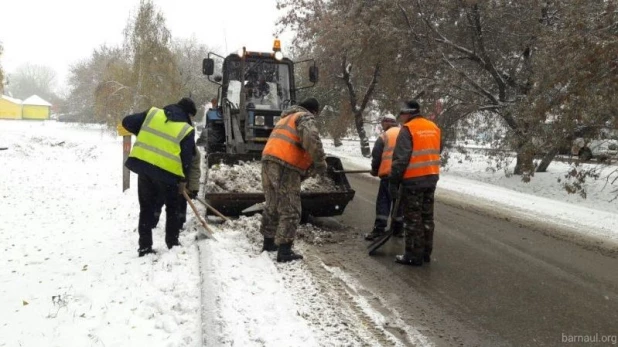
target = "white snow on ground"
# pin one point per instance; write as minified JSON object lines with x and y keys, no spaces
{"x":69,"y":271}
{"x":251,"y":300}
{"x":542,"y":198}
{"x":246,"y":302}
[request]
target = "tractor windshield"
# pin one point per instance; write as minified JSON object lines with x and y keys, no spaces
{"x":267,"y":84}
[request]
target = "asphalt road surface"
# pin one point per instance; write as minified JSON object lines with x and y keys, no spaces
{"x":493,"y":281}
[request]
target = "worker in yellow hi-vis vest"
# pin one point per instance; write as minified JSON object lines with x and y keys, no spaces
{"x":161,"y":157}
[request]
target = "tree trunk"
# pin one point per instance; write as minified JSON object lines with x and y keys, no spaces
{"x":337,"y":141}
{"x":360,"y":129}
{"x":359,"y":109}
{"x":524,"y":165}
{"x":547,"y":159}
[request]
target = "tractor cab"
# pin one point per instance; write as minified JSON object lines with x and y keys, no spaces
{"x":255,"y":87}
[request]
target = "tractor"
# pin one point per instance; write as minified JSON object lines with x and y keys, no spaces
{"x":254,"y":89}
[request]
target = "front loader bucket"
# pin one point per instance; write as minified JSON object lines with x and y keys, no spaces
{"x":317,"y":204}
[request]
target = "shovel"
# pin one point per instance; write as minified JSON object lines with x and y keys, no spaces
{"x":213,"y":209}
{"x":207,"y":233}
{"x":351,"y":171}
{"x":379,"y":242}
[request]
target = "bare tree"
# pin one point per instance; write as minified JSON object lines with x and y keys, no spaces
{"x":145,"y":74}
{"x":88,"y":76}
{"x":188,"y":54}
{"x":30,"y":79}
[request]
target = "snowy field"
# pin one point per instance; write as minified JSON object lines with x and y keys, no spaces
{"x":70,"y":275}
{"x":69,"y":272}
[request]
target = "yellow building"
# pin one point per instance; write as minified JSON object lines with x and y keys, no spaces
{"x":10,"y":108}
{"x":36,"y":108}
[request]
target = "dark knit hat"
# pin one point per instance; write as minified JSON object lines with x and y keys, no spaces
{"x":411,"y":107}
{"x":310,"y":104}
{"x":187,"y":105}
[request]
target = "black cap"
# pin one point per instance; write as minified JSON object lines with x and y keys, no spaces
{"x":310,"y":104}
{"x":187,"y":105}
{"x":411,"y":107}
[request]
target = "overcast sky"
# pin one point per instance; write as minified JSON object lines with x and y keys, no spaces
{"x":58,"y":33}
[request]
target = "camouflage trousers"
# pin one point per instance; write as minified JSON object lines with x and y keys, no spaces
{"x":418,"y":220}
{"x":281,"y":214}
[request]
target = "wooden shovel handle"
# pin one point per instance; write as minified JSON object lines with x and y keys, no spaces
{"x":197,"y":214}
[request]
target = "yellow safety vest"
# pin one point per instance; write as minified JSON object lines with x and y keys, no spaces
{"x":158,"y":142}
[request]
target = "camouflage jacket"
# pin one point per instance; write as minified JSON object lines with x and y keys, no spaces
{"x":309,"y":136}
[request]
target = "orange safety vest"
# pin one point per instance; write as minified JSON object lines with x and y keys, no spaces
{"x":285,"y":144}
{"x":390,"y":138}
{"x":425,"y":158}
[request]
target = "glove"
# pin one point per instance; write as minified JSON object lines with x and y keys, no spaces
{"x":193,"y":194}
{"x":373,"y":173}
{"x":393,"y":189}
{"x":182,"y":187}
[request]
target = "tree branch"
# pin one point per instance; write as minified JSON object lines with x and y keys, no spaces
{"x":405,"y":15}
{"x":345,"y":76}
{"x":372,"y":85}
{"x":476,"y":86}
{"x":487,"y":64}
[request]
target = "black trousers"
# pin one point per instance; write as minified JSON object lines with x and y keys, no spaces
{"x":153,"y":195}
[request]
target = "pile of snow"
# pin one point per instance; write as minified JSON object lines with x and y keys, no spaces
{"x":70,"y":273}
{"x":318,"y":184}
{"x":246,"y":177}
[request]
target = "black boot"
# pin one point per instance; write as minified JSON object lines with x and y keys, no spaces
{"x":269,"y":245}
{"x":172,"y":243}
{"x":286,"y":253}
{"x":143,"y":251}
{"x":397,"y":231}
{"x":407,"y":259}
{"x":374,"y":234}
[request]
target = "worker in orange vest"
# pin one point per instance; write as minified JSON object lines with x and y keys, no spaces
{"x":292,"y":153}
{"x":416,"y":166}
{"x":382,"y":159}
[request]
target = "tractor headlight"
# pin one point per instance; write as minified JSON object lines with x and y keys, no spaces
{"x":278,"y":55}
{"x":276,"y":120}
{"x":259,"y":120}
